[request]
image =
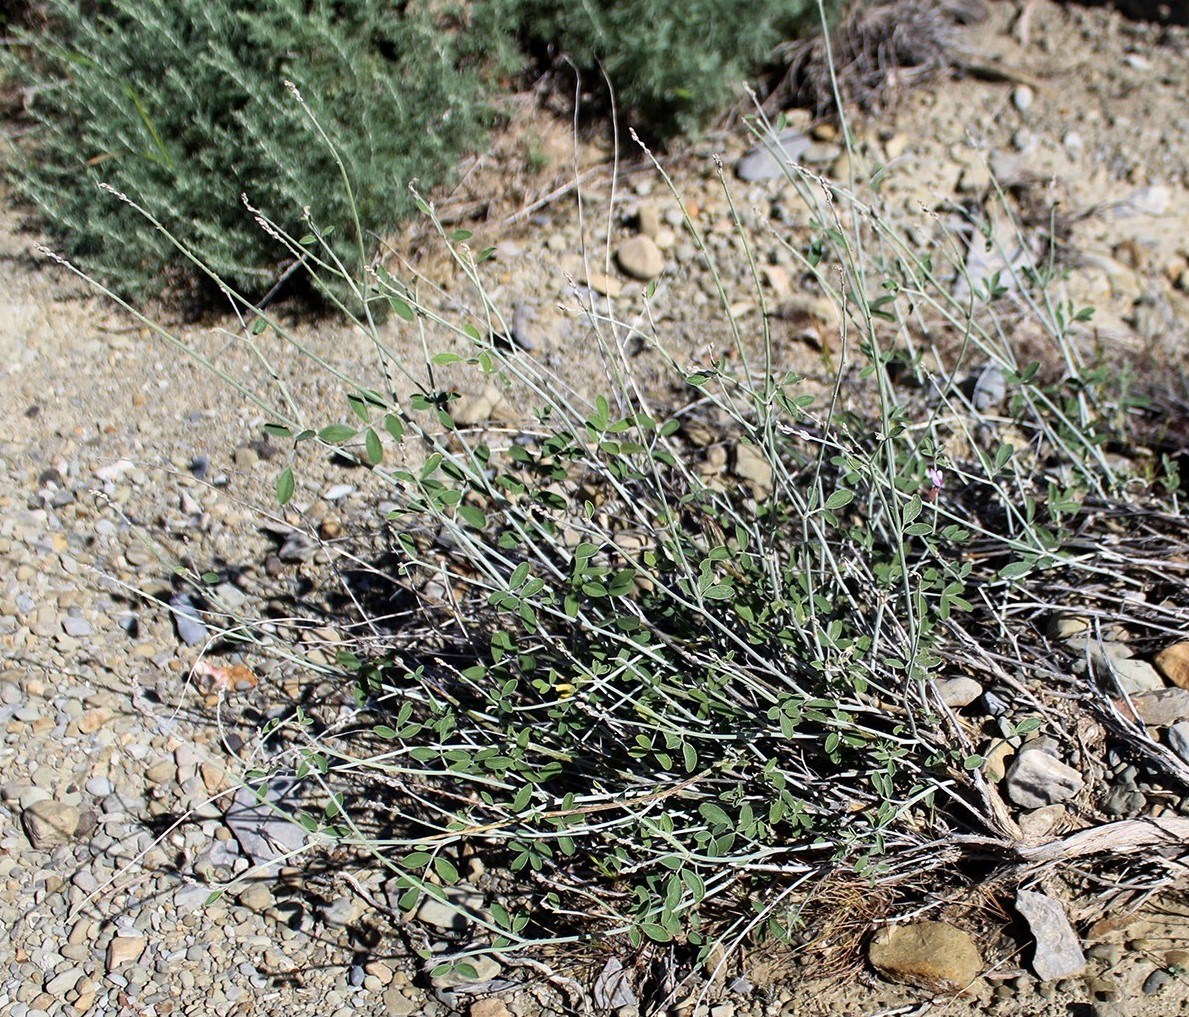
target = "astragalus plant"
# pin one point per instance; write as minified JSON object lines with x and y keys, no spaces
{"x":661,"y":701}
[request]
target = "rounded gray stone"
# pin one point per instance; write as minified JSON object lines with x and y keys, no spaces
{"x":1036,"y":779}
{"x":768,"y":161}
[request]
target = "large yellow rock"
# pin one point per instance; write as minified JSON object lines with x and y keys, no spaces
{"x":932,"y":955}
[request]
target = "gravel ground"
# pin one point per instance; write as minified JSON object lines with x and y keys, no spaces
{"x":121,"y":460}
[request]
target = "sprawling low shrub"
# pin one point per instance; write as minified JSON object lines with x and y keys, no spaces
{"x":181,"y":105}
{"x":688,"y":707}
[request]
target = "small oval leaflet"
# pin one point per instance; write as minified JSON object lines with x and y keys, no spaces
{"x":839,"y":499}
{"x":402,"y":309}
{"x":336,"y":434}
{"x":375,"y":450}
{"x":657,"y":933}
{"x":713,"y":814}
{"x":285,"y":486}
{"x":472,"y":516}
{"x":1016,"y":569}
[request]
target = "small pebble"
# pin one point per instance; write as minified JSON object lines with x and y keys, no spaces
{"x":640,"y":258}
{"x":76,"y":626}
{"x":187,"y":620}
{"x":1156,"y":981}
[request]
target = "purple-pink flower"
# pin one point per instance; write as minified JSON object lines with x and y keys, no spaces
{"x":936,"y":478}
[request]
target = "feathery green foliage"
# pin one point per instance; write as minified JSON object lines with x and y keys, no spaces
{"x":180,"y":104}
{"x":671,"y":65}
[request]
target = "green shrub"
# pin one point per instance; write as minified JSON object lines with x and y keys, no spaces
{"x":671,"y":66}
{"x":181,"y":105}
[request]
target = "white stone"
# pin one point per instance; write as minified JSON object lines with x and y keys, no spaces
{"x":1036,"y":779}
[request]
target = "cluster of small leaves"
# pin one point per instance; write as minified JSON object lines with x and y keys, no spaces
{"x":718,"y":665}
{"x":181,"y":105}
{"x":654,"y":686}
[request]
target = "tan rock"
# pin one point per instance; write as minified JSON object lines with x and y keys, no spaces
{"x":490,"y":1008}
{"x":640,"y":258}
{"x":751,"y":466}
{"x":124,"y":950}
{"x":49,"y":823}
{"x":665,"y":239}
{"x":161,"y":772}
{"x":477,"y":407}
{"x":1159,"y":709}
{"x":257,"y":896}
{"x":213,"y":778}
{"x":777,"y":277}
{"x":1173,"y":663}
{"x":381,"y":970}
{"x":605,"y":284}
{"x":741,"y":308}
{"x":698,"y":434}
{"x":1066,"y":626}
{"x":896,"y":146}
{"x":932,"y":955}
{"x":996,"y":759}
{"x":1040,"y":824}
{"x":93,"y":720}
{"x":815,"y":319}
{"x":712,"y":468}
{"x":958,"y":692}
{"x":975,"y":179}
{"x":648,"y":221}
